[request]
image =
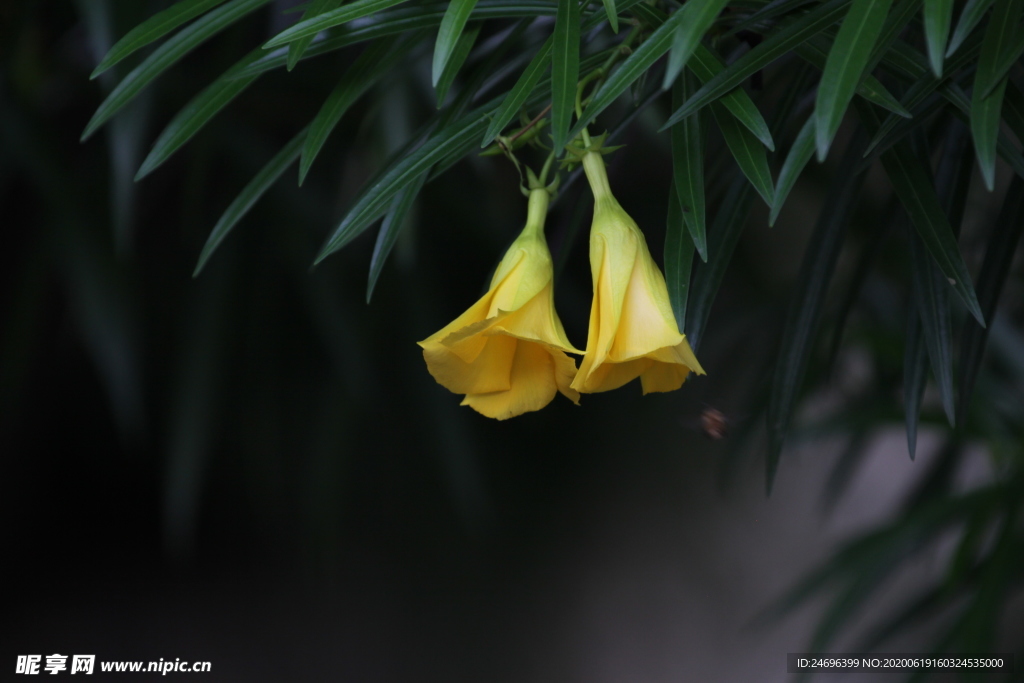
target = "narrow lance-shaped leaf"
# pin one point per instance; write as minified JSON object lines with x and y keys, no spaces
{"x":529,"y":79}
{"x":391,"y":228}
{"x":197,"y":113}
{"x":1011,"y":55}
{"x":371,"y":65}
{"x":678,"y":258}
{"x":748,"y":152}
{"x":448,"y":35}
{"x":985,"y":109}
{"x":249,"y":195}
{"x":657,"y":44}
{"x":565,"y":69}
{"x":707,"y":278}
{"x":688,"y":168}
{"x":373,"y":202}
{"x":775,"y":8}
{"x":613,"y":14}
{"x":799,"y":154}
{"x":315,"y":8}
{"x":952,"y":183}
{"x":704,"y":65}
{"x":869,"y":88}
{"x":845,"y":65}
{"x":344,"y":14}
{"x":972,"y":13}
{"x":455,"y":62}
{"x":152,"y":29}
{"x":701,"y":14}
{"x":917,"y":194}
{"x":399,"y":20}
{"x":899,"y":17}
{"x":520,"y":91}
{"x":804,"y":314}
{"x":938,"y":14}
{"x":930,"y":292}
{"x":167,"y":55}
{"x":919,"y":92}
{"x":915,"y":377}
{"x":999,"y":254}
{"x":777,"y":44}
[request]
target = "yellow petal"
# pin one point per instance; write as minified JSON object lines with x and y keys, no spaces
{"x":609,"y":375}
{"x":532,"y":384}
{"x":663,"y":377}
{"x":536,"y":320}
{"x":490,"y":370}
{"x":633,"y":331}
{"x":565,"y":373}
{"x":647,"y":322}
{"x":479,"y":310}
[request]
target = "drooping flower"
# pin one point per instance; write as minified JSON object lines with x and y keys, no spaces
{"x":507,"y":352}
{"x":633,"y":332}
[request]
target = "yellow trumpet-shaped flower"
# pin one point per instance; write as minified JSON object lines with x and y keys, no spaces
{"x":633,"y":332}
{"x":507,"y":353}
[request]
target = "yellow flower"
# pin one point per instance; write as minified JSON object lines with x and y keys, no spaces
{"x":507,"y":352}
{"x":633,"y":332}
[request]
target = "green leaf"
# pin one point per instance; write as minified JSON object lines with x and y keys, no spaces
{"x":688,"y":33}
{"x":397,"y":21}
{"x":938,"y":14}
{"x":999,"y":254}
{"x":804,"y":314}
{"x":688,"y":169}
{"x":776,"y":8}
{"x":899,"y":17}
{"x":748,"y":152}
{"x":455,"y":62}
{"x":845,"y":66}
{"x":972,"y":13}
{"x":520,"y":91}
{"x":985,"y":109}
{"x":197,"y":113}
{"x":448,"y":35}
{"x":345,"y":13}
{"x":915,"y":377}
{"x":167,"y":55}
{"x":565,"y":70}
{"x":931,"y":300}
{"x":775,"y":45}
{"x":450,"y":142}
{"x":643,"y":58}
{"x":705,"y":65}
{"x":249,"y":195}
{"x":314,"y":9}
{"x":869,"y":87}
{"x":924,"y":85}
{"x":678,"y":257}
{"x":1011,"y":55}
{"x":799,"y":154}
{"x":930,"y":293}
{"x":613,"y":14}
{"x":369,"y":68}
{"x":391,"y":228}
{"x":917,"y":194}
{"x":152,"y":29}
{"x":707,"y":277}
{"x":529,"y":79}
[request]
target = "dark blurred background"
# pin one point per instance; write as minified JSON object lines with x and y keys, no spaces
{"x":253,"y":467}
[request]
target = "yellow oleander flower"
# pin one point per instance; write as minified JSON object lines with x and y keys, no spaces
{"x":633,"y":332}
{"x":507,"y":353}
